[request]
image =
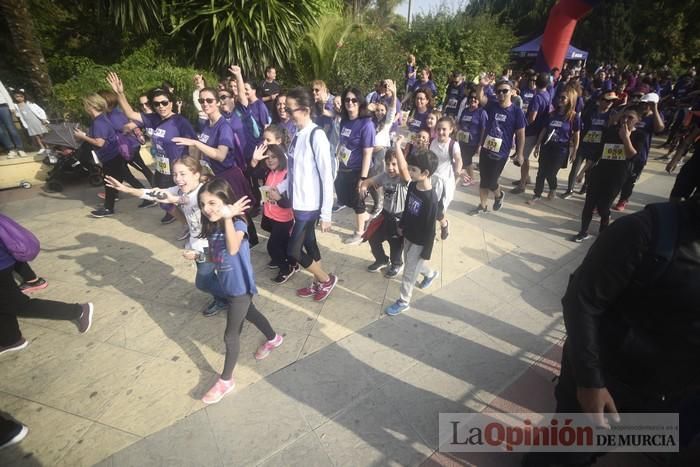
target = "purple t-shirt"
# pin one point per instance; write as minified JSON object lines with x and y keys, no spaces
{"x":290,"y":127}
{"x":646,"y":126}
{"x":245,"y":145}
{"x":427,"y":85}
{"x":220,"y":134}
{"x":102,"y":128}
{"x":258,"y":110}
{"x":164,"y":150}
{"x":500,"y":128}
{"x":235,"y":272}
{"x":355,"y":136}
{"x":417,"y":121}
{"x":540,"y":104}
{"x":471,"y":122}
{"x":527,"y":94}
{"x":118,"y":120}
{"x":410,"y":81}
{"x":561,"y":128}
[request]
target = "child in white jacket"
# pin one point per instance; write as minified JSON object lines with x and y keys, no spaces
{"x":32,"y":116}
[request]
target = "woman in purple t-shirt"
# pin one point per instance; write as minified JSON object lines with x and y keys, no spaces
{"x":354,"y":153}
{"x":558,"y":140}
{"x":423,"y":103}
{"x":164,"y":125}
{"x":219,"y":149}
{"x":103,"y":138}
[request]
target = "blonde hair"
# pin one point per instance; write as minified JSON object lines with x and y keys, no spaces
{"x":95,"y":101}
{"x":320,"y":83}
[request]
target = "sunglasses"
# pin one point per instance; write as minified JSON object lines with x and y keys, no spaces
{"x":208,"y":100}
{"x":161,"y":103}
{"x":352,"y":100}
{"x":502,"y":91}
{"x":223,"y":97}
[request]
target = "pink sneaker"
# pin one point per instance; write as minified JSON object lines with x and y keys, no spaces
{"x":265,"y":349}
{"x":309,"y":291}
{"x":218,"y":391}
{"x":325,"y":288}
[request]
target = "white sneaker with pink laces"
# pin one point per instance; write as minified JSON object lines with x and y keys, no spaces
{"x":218,"y":391}
{"x":265,"y":349}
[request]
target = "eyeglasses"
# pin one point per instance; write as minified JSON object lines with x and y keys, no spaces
{"x":503,"y":91}
{"x":352,"y":100}
{"x":290,"y":110}
{"x":223,"y":97}
{"x":161,"y":103}
{"x":208,"y":100}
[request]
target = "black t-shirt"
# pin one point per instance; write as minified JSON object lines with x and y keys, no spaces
{"x":268,"y":89}
{"x":421,"y":210}
{"x":611,"y":155}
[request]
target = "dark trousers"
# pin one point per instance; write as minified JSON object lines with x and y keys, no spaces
{"x":278,"y":243}
{"x":24,"y":271}
{"x":303,"y":247}
{"x":551,"y":161}
{"x":14,"y":303}
{"x":574,"y":170}
{"x":117,"y":168}
{"x":602,"y":190}
{"x":395,"y":245}
{"x":240,"y":308}
{"x":139,"y":164}
{"x":688,"y":179}
{"x":628,"y":186}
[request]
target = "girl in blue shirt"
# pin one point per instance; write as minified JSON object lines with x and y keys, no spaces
{"x":230,"y":253}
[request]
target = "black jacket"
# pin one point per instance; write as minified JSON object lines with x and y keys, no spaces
{"x":619,"y":326}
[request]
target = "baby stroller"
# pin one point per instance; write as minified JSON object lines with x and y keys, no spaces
{"x":69,"y":158}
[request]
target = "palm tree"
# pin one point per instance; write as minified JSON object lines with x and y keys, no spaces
{"x":320,"y":47}
{"x":251,"y":33}
{"x":21,"y":27}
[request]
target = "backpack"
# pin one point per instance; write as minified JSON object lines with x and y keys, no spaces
{"x":334,"y":164}
{"x":20,"y":243}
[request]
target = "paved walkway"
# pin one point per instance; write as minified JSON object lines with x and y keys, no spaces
{"x":349,"y":386}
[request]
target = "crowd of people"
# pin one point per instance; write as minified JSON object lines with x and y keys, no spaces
{"x":294,"y":157}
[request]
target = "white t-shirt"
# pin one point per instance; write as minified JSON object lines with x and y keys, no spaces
{"x":193,"y":216}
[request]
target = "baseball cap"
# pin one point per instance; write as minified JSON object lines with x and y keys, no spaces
{"x":651,"y":97}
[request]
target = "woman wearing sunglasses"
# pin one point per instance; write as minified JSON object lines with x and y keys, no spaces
{"x":357,"y":135}
{"x":220,"y":150}
{"x":471,"y":124}
{"x":163,"y":125}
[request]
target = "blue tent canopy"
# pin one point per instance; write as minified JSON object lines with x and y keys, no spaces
{"x":531,"y":48}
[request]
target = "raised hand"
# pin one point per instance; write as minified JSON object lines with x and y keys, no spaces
{"x":115,"y":82}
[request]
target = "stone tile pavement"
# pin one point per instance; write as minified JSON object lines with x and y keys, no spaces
{"x":349,"y":386}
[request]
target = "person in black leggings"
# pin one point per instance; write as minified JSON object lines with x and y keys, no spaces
{"x":30,"y":281}
{"x":621,"y":144}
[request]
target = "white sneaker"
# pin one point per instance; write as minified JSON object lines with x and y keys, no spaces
{"x":22,"y":153}
{"x":41,"y":151}
{"x":12,"y":154}
{"x":356,"y":239}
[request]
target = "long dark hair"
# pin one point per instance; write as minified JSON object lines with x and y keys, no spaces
{"x":222,"y":190}
{"x":361,"y":102}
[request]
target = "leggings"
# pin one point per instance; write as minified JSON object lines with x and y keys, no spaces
{"x":602,"y":190}
{"x":241,"y":308}
{"x":551,"y":161}
{"x":25,"y":271}
{"x":302,"y":243}
{"x":278,"y":243}
{"x":116,"y":167}
{"x":138,"y":163}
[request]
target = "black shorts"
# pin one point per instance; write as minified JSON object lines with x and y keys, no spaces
{"x":467,"y":153}
{"x":490,"y":168}
{"x":346,"y":190}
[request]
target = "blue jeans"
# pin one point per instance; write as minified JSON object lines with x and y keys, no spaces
{"x":8,"y":126}
{"x":206,"y":281}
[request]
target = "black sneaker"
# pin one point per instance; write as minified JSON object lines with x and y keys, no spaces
{"x":394,"y":270}
{"x":213,"y":308}
{"x":567,"y":194}
{"x":15,"y":433}
{"x":377,"y":266}
{"x":479,"y":209}
{"x":102,"y":212}
{"x":515,"y":182}
{"x":167,"y":219}
{"x":22,"y":343}
{"x":337,"y":207}
{"x":518,"y":189}
{"x":84,"y":322}
{"x":272,"y":265}
{"x":498,"y":202}
{"x":444,"y":231}
{"x":282,"y":278}
{"x":580,"y":237}
{"x":582,"y":191}
{"x":146,"y":203}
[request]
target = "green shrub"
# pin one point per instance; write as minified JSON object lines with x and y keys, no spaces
{"x":142,"y":70}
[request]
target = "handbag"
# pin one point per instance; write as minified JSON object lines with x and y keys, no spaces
{"x":19,"y":242}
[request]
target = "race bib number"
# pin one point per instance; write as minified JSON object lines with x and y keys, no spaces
{"x":593,"y":136}
{"x":414,"y":124}
{"x":343,"y":154}
{"x":451,"y":103}
{"x":493,"y":144}
{"x":463,"y":136}
{"x":614,"y":152}
{"x":163,"y":165}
